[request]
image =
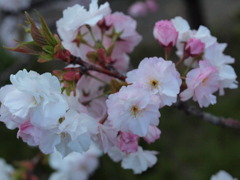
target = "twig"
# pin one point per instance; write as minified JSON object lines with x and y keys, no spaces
{"x":87,"y":66}
{"x":221,"y":121}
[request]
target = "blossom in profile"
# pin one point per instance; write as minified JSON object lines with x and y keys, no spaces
{"x":227,"y":76}
{"x":201,"y":83}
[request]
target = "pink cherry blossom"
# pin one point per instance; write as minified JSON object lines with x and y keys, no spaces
{"x":194,"y":47}
{"x":159,"y":77}
{"x":130,"y":113}
{"x":125,"y":25}
{"x":165,"y":33}
{"x":201,"y":83}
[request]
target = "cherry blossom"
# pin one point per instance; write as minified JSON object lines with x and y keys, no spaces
{"x":34,"y":96}
{"x":159,"y":77}
{"x":201,"y":83}
{"x":130,"y":113}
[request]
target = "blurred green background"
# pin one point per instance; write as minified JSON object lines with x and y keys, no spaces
{"x":189,"y":148}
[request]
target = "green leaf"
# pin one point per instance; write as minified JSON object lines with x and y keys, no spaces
{"x":45,"y":57}
{"x":35,"y":32}
{"x":47,"y":33}
{"x":27,"y":47}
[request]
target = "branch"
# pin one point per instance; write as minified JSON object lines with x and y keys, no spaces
{"x":221,"y":121}
{"x":87,"y":66}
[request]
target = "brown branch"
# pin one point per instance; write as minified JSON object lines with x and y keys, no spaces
{"x":87,"y":67}
{"x":221,"y":121}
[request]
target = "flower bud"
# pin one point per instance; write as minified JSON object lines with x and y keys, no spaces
{"x":165,"y":33}
{"x":194,"y":47}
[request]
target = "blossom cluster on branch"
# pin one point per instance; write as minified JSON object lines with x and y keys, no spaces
{"x":95,"y":101}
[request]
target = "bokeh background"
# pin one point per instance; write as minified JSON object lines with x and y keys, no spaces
{"x":189,"y":148}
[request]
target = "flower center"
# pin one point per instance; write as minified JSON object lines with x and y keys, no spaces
{"x":204,"y":82}
{"x":153,"y":83}
{"x":134,"y":111}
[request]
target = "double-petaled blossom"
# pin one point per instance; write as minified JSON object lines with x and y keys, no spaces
{"x":74,"y":18}
{"x":165,"y":33}
{"x":201,"y":83}
{"x":34,"y":97}
{"x":130,"y":113}
{"x":159,"y":77}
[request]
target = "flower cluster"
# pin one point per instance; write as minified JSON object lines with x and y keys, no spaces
{"x":208,"y":68}
{"x":91,"y":103}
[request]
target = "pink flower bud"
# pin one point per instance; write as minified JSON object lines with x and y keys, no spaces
{"x":194,"y":47}
{"x":165,"y":33}
{"x":128,"y":142}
